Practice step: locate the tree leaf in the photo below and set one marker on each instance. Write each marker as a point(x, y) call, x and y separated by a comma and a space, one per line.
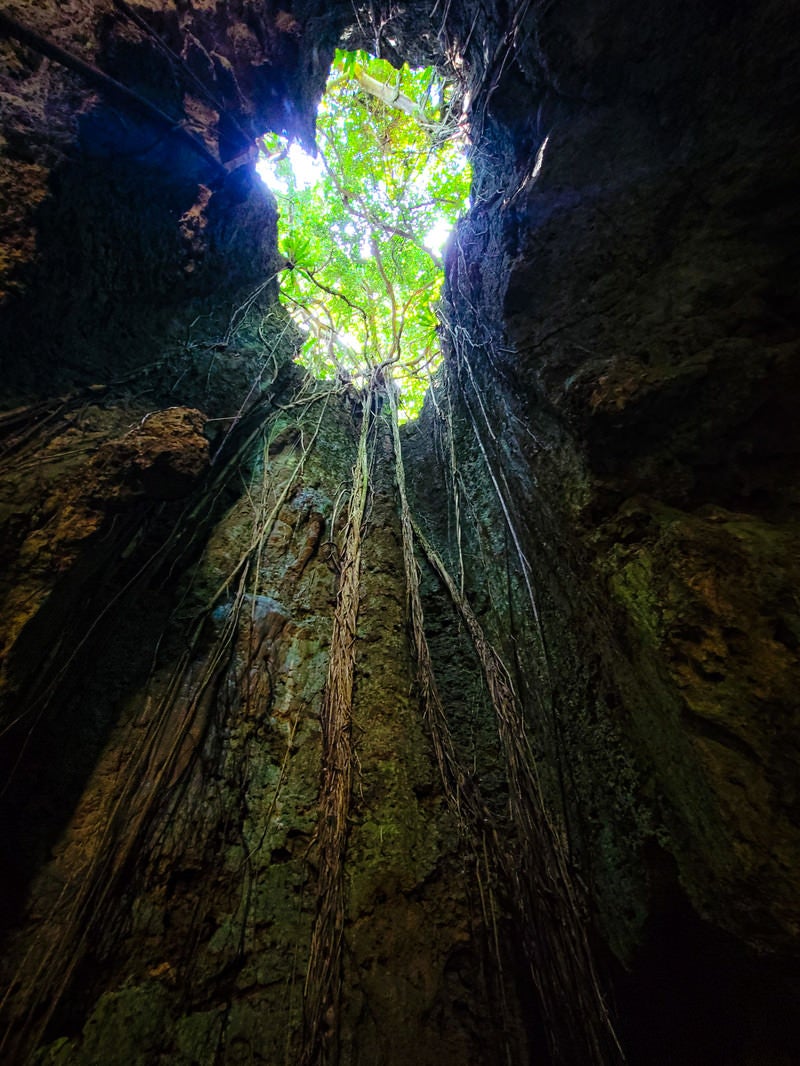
point(366, 279)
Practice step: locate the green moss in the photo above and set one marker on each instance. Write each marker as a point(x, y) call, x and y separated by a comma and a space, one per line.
point(60, 1053)
point(197, 1038)
point(633, 587)
point(127, 1025)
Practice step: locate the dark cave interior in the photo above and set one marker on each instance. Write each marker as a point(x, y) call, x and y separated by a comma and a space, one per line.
point(498, 762)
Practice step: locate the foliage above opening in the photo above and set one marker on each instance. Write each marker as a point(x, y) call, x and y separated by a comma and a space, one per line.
point(363, 235)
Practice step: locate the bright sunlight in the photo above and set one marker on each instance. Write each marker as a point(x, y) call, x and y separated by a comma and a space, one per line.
point(364, 224)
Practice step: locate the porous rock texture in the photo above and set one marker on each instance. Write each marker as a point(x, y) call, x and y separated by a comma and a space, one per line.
point(608, 471)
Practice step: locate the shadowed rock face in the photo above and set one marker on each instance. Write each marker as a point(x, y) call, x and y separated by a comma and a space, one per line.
point(621, 385)
point(661, 446)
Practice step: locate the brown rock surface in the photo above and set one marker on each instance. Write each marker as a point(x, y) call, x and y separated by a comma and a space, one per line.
point(620, 332)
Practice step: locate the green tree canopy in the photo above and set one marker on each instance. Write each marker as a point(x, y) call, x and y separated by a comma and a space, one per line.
point(362, 239)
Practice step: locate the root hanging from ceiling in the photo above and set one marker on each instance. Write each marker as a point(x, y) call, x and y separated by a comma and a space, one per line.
point(552, 917)
point(165, 742)
point(324, 974)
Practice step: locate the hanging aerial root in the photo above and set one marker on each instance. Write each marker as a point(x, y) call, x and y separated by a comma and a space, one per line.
point(446, 421)
point(120, 94)
point(454, 777)
point(476, 822)
point(147, 791)
point(324, 973)
point(580, 1028)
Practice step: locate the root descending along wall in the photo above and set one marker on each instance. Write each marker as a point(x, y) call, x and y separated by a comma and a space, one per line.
point(176, 501)
point(183, 893)
point(591, 787)
point(622, 346)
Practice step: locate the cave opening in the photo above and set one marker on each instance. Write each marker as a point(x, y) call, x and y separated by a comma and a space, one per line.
point(330, 740)
point(363, 222)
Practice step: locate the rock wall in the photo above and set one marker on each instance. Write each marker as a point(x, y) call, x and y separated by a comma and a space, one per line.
point(622, 349)
point(173, 499)
point(614, 485)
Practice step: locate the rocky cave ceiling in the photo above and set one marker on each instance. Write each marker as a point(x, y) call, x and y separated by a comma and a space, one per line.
point(267, 796)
